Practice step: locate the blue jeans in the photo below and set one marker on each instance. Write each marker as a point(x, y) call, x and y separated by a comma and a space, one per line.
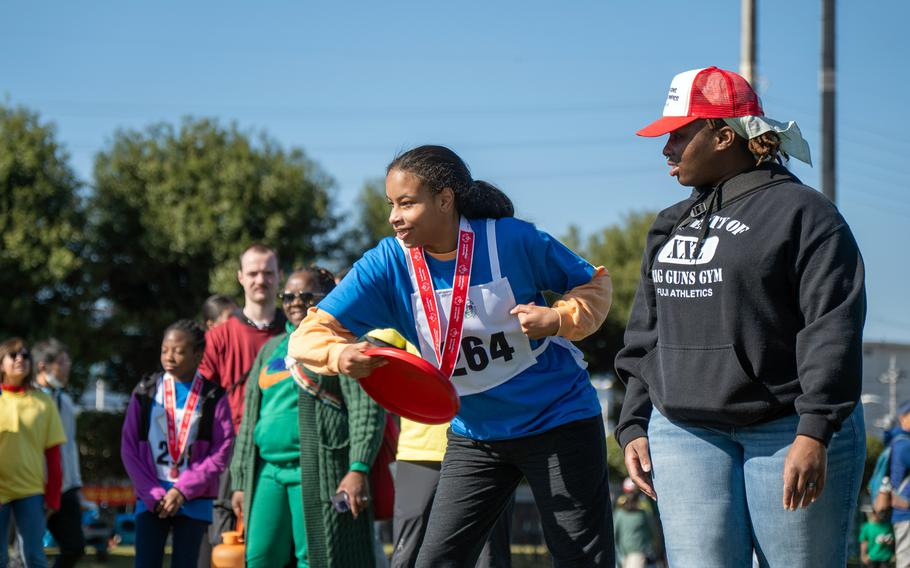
point(151, 535)
point(29, 514)
point(720, 494)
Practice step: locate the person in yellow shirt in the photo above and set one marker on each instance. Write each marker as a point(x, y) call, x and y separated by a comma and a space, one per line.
point(31, 434)
point(421, 448)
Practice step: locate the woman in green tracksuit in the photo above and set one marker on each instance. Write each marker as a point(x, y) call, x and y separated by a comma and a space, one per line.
point(304, 439)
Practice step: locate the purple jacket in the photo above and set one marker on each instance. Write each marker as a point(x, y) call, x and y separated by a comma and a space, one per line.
point(209, 454)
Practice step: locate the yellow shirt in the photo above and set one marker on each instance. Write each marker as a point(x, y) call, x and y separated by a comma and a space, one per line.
point(416, 442)
point(421, 442)
point(29, 424)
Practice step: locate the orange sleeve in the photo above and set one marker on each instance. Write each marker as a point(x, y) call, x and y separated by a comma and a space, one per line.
point(318, 342)
point(583, 309)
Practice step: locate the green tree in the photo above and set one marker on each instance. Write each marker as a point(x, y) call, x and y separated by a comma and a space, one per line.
point(172, 209)
point(42, 282)
point(98, 440)
point(372, 222)
point(374, 213)
point(619, 248)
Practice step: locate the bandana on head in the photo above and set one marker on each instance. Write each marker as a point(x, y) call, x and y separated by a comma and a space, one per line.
point(791, 139)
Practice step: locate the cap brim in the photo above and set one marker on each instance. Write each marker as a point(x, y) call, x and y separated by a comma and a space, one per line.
point(665, 125)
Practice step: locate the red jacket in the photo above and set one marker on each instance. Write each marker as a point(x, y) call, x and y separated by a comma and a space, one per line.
point(230, 349)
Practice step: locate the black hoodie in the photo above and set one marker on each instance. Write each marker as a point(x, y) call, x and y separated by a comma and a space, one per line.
point(765, 321)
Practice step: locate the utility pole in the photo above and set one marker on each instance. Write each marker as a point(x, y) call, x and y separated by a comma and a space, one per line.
point(99, 394)
point(890, 378)
point(747, 67)
point(828, 83)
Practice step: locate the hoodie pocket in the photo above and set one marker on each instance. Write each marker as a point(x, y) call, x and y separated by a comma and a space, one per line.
point(704, 384)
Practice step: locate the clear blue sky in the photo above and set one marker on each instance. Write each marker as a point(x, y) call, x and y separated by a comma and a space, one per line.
point(540, 98)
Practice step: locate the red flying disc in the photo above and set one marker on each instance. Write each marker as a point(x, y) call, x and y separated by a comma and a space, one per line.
point(410, 387)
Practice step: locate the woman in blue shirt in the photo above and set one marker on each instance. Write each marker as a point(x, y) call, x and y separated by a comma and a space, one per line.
point(528, 408)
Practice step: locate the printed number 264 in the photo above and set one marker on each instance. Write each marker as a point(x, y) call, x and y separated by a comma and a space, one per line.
point(478, 357)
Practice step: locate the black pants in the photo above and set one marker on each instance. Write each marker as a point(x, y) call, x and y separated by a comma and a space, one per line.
point(223, 519)
point(151, 534)
point(415, 488)
point(66, 527)
point(567, 470)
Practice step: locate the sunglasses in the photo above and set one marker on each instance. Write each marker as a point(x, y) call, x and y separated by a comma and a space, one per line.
point(20, 353)
point(309, 299)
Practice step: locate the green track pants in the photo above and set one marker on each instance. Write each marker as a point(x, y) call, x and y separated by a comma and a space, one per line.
point(276, 519)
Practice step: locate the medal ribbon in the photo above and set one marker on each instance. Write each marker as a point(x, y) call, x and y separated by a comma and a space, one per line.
point(176, 443)
point(447, 347)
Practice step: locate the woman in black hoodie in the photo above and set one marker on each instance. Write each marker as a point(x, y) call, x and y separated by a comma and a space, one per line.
point(743, 352)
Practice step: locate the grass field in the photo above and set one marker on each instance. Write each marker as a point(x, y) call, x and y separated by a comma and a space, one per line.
point(122, 557)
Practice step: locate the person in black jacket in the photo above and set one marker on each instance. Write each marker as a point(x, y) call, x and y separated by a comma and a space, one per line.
point(743, 353)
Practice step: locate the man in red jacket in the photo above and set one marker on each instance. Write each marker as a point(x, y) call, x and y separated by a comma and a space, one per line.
point(230, 350)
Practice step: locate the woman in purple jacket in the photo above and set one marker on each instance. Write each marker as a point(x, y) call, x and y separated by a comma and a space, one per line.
point(176, 441)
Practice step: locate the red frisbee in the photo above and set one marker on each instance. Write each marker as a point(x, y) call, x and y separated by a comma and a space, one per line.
point(410, 387)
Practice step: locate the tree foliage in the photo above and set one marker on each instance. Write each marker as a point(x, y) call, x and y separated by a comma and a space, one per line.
point(98, 440)
point(42, 280)
point(172, 209)
point(372, 222)
point(619, 248)
point(374, 213)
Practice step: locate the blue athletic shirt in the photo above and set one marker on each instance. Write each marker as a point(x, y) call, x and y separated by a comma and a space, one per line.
point(199, 509)
point(377, 294)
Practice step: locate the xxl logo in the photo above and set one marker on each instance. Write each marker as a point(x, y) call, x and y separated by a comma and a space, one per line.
point(681, 250)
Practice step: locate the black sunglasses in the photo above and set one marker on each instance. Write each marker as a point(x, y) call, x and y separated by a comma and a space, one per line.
point(23, 352)
point(308, 298)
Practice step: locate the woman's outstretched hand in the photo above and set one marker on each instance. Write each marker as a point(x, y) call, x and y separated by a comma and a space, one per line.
point(537, 322)
point(355, 364)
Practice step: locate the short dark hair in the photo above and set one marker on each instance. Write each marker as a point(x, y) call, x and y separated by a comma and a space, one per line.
point(257, 247)
point(325, 280)
point(48, 351)
point(192, 329)
point(214, 305)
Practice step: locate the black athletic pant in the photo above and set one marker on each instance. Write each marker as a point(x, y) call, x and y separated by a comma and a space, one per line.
point(415, 487)
point(567, 470)
point(66, 527)
point(152, 533)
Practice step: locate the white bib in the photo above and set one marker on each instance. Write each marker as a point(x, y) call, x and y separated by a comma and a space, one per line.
point(493, 347)
point(158, 435)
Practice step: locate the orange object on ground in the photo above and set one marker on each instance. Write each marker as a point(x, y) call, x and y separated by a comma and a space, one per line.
point(231, 553)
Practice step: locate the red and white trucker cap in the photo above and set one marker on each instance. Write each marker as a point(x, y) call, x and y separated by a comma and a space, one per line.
point(704, 93)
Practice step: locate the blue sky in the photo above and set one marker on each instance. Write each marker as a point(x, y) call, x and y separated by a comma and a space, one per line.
point(540, 98)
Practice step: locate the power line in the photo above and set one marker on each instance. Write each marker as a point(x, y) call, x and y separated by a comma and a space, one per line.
point(102, 109)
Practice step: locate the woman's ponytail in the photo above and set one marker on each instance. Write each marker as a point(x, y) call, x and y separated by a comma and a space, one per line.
point(439, 167)
point(484, 200)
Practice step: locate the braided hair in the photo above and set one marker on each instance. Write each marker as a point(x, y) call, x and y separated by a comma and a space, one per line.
point(325, 280)
point(192, 329)
point(765, 147)
point(438, 167)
